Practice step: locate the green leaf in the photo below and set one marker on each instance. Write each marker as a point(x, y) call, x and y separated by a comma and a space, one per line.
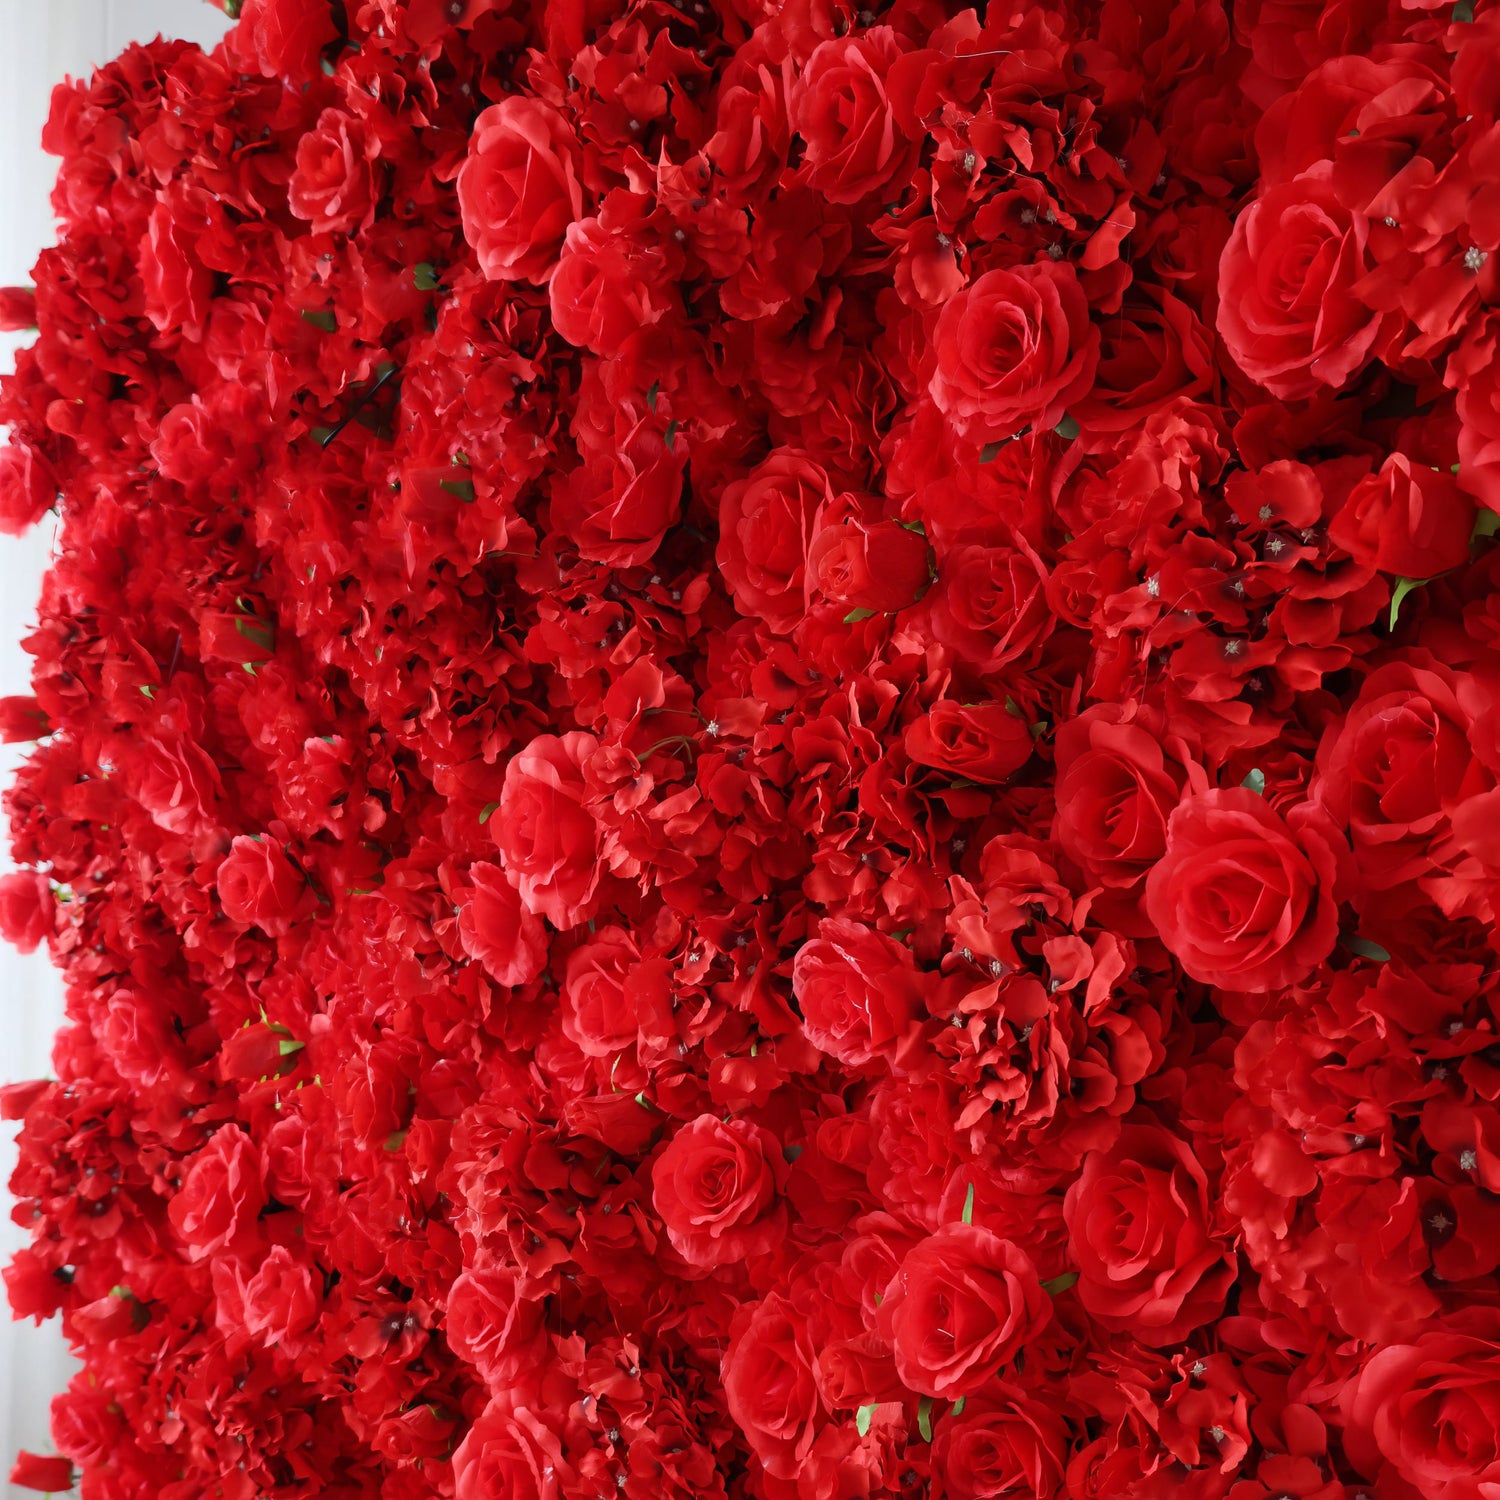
point(322, 436)
point(969, 1205)
point(122, 1292)
point(321, 319)
point(395, 1140)
point(1013, 708)
point(924, 1418)
point(1486, 523)
point(426, 277)
point(958, 1406)
point(1256, 782)
point(256, 633)
point(671, 433)
point(652, 394)
point(1463, 13)
point(489, 807)
point(856, 615)
point(916, 526)
point(988, 452)
point(232, 9)
point(289, 1045)
point(1059, 1283)
point(1366, 949)
point(1403, 587)
point(1067, 429)
point(148, 690)
point(644, 1102)
point(862, 1418)
point(463, 488)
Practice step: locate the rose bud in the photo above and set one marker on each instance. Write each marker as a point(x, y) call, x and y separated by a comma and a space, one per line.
point(881, 567)
point(33, 1472)
point(17, 309)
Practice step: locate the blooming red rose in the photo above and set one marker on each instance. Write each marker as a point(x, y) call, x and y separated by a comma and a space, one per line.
point(859, 991)
point(215, 1208)
point(1004, 1444)
point(717, 1187)
point(1430, 1411)
point(1138, 1231)
point(289, 34)
point(498, 931)
point(1399, 764)
point(509, 1453)
point(963, 1304)
point(176, 782)
point(283, 1299)
point(607, 286)
point(853, 145)
point(333, 185)
point(989, 604)
point(1013, 350)
point(983, 742)
point(1288, 308)
point(31, 1471)
point(519, 188)
point(27, 909)
point(598, 1014)
point(1115, 793)
point(548, 839)
point(881, 567)
point(766, 523)
point(179, 287)
point(258, 885)
point(769, 1385)
point(497, 1323)
point(1239, 899)
point(1473, 372)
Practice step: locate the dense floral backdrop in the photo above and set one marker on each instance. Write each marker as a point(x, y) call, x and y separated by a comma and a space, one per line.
point(768, 753)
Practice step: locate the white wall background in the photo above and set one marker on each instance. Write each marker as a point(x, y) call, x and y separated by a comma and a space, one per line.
point(45, 42)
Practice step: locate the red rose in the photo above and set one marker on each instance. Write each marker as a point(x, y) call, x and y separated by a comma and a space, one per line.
point(964, 1303)
point(26, 492)
point(28, 911)
point(1239, 900)
point(31, 1471)
point(176, 783)
point(283, 1300)
point(1409, 519)
point(288, 35)
point(1287, 307)
point(1114, 795)
point(598, 1015)
point(717, 1187)
point(609, 284)
point(498, 931)
point(548, 840)
point(258, 885)
point(852, 145)
point(216, 1207)
point(1013, 350)
point(859, 991)
point(1137, 1219)
point(518, 189)
point(881, 567)
point(333, 183)
point(1398, 766)
point(769, 1385)
point(766, 523)
point(509, 1453)
point(983, 742)
point(989, 605)
point(1430, 1411)
point(497, 1323)
point(1002, 1445)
